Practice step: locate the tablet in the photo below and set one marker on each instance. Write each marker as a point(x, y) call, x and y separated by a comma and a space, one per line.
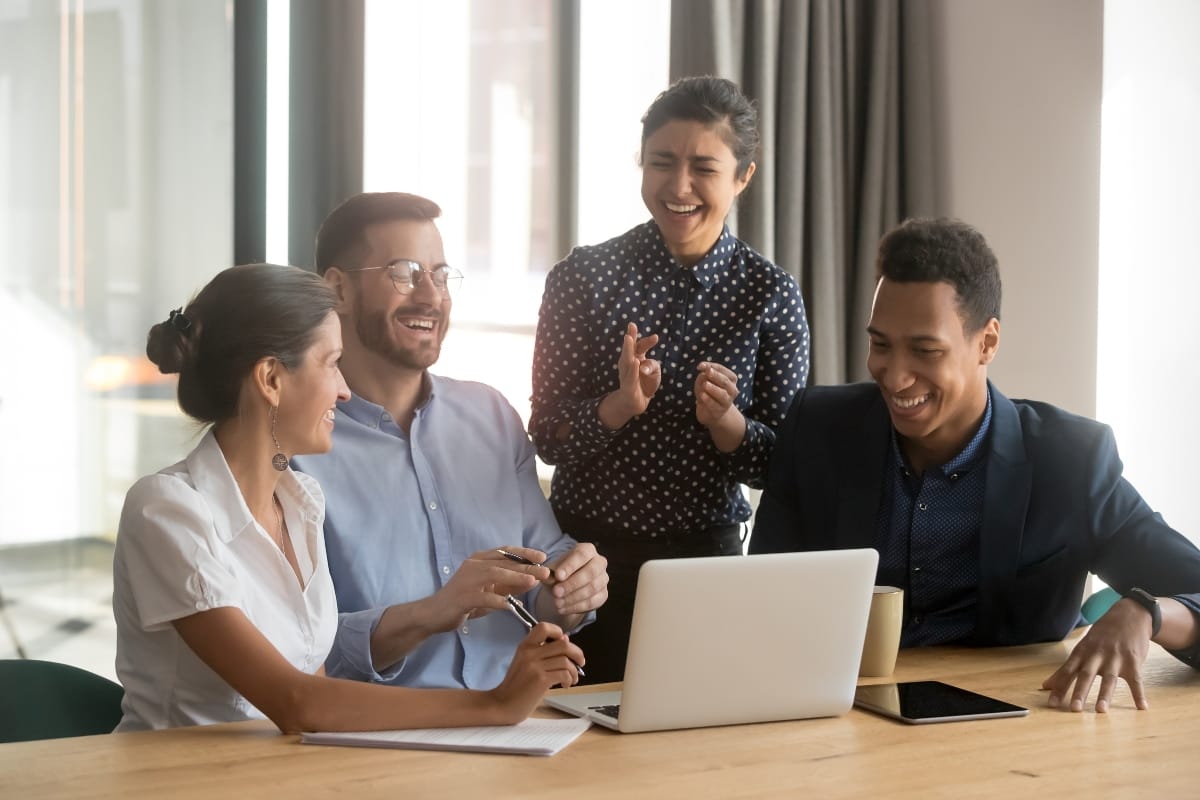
point(919, 702)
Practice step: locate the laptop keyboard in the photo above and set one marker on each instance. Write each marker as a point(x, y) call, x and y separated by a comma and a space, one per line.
point(608, 711)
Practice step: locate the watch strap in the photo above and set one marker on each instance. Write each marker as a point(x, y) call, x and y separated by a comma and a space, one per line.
point(1150, 603)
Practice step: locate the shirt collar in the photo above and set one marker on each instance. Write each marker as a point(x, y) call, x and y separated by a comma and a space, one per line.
point(209, 471)
point(363, 411)
point(707, 270)
point(966, 459)
point(971, 454)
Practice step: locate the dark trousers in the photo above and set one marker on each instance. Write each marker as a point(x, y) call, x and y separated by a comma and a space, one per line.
point(606, 641)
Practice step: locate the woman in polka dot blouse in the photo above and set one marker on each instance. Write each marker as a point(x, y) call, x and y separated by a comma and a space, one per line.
point(664, 360)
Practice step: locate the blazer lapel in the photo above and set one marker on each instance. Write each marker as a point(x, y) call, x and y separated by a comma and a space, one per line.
point(1005, 502)
point(860, 477)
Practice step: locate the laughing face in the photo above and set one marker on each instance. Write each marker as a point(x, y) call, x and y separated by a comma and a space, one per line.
point(689, 183)
point(405, 330)
point(306, 405)
point(932, 372)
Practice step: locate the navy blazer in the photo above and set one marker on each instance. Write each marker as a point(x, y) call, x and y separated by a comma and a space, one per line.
point(1055, 508)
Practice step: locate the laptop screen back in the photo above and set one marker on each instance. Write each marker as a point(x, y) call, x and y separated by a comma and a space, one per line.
point(726, 640)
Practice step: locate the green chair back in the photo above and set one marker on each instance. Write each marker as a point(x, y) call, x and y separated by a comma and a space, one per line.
point(47, 700)
point(1098, 604)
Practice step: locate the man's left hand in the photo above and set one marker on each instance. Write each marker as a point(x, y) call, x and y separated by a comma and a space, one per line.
point(1115, 648)
point(578, 581)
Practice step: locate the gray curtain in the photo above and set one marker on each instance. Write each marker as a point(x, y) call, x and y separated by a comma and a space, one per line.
point(847, 142)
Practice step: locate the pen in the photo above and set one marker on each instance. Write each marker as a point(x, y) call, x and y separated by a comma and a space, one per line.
point(520, 559)
point(522, 613)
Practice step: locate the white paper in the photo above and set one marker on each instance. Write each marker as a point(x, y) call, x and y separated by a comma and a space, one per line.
point(533, 737)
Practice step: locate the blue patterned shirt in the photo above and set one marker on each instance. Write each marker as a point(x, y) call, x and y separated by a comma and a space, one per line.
point(927, 534)
point(661, 470)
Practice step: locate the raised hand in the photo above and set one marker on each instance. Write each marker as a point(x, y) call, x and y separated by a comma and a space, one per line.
point(716, 389)
point(639, 378)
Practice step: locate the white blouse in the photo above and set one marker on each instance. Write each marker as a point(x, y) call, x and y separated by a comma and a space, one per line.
point(187, 543)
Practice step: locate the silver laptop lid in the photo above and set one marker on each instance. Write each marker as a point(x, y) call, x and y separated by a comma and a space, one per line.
point(727, 639)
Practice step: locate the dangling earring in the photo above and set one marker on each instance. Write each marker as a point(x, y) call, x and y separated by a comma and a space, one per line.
point(279, 461)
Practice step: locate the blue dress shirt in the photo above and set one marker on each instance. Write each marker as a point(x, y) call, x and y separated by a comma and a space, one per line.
point(403, 511)
point(927, 534)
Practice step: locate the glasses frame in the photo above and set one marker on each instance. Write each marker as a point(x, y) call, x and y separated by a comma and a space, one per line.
point(453, 278)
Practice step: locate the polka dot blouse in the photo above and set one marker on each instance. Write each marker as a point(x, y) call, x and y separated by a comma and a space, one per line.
point(661, 472)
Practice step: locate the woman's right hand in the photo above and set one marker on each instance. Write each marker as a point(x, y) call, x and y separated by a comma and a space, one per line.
point(639, 378)
point(543, 659)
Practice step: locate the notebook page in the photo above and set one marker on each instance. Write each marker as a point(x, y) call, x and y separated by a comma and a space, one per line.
point(534, 737)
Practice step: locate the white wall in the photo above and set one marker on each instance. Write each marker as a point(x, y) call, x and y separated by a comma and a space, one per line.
point(1095, 320)
point(1019, 87)
point(1147, 381)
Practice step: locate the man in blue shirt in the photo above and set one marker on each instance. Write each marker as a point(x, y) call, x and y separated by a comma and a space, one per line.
point(429, 478)
point(988, 512)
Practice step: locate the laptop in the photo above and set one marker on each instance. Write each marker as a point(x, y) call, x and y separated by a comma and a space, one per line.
point(726, 640)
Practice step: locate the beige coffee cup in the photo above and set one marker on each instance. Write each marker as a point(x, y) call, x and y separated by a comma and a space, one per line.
point(883, 632)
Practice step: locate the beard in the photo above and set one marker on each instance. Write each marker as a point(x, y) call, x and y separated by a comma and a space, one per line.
point(374, 331)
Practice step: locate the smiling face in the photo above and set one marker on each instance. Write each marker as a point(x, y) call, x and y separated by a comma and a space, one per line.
point(310, 393)
point(405, 330)
point(932, 373)
point(689, 183)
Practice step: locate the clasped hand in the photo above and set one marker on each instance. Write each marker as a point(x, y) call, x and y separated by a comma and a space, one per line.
point(578, 584)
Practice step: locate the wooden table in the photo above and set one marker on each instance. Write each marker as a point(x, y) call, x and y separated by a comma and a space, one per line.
point(1050, 753)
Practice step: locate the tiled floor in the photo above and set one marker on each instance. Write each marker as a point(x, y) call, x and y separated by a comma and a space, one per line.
point(58, 603)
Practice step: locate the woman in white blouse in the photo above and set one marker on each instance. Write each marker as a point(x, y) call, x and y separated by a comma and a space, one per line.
point(224, 605)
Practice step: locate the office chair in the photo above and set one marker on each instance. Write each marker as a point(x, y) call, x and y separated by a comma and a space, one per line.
point(47, 700)
point(1098, 604)
point(12, 631)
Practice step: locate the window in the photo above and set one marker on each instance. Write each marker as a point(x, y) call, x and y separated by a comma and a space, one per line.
point(116, 205)
point(1149, 204)
point(116, 168)
point(461, 105)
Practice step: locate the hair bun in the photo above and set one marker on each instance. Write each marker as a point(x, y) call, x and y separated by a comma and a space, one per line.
point(165, 347)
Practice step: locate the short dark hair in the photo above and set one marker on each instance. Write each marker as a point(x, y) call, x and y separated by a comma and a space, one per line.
point(244, 314)
point(711, 101)
point(341, 232)
point(935, 250)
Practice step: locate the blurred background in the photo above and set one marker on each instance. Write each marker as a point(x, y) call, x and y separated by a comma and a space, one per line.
point(147, 144)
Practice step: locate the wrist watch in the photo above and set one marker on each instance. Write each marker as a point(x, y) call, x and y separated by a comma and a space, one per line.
point(1150, 603)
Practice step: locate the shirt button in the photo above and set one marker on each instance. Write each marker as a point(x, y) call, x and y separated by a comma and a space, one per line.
point(445, 570)
point(432, 506)
point(954, 476)
point(465, 630)
point(918, 620)
point(922, 506)
point(916, 569)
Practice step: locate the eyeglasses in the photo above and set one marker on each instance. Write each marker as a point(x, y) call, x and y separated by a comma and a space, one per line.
point(406, 275)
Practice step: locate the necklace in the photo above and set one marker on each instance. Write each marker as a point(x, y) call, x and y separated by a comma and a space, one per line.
point(275, 506)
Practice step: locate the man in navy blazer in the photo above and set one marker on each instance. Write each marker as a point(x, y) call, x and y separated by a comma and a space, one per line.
point(988, 512)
